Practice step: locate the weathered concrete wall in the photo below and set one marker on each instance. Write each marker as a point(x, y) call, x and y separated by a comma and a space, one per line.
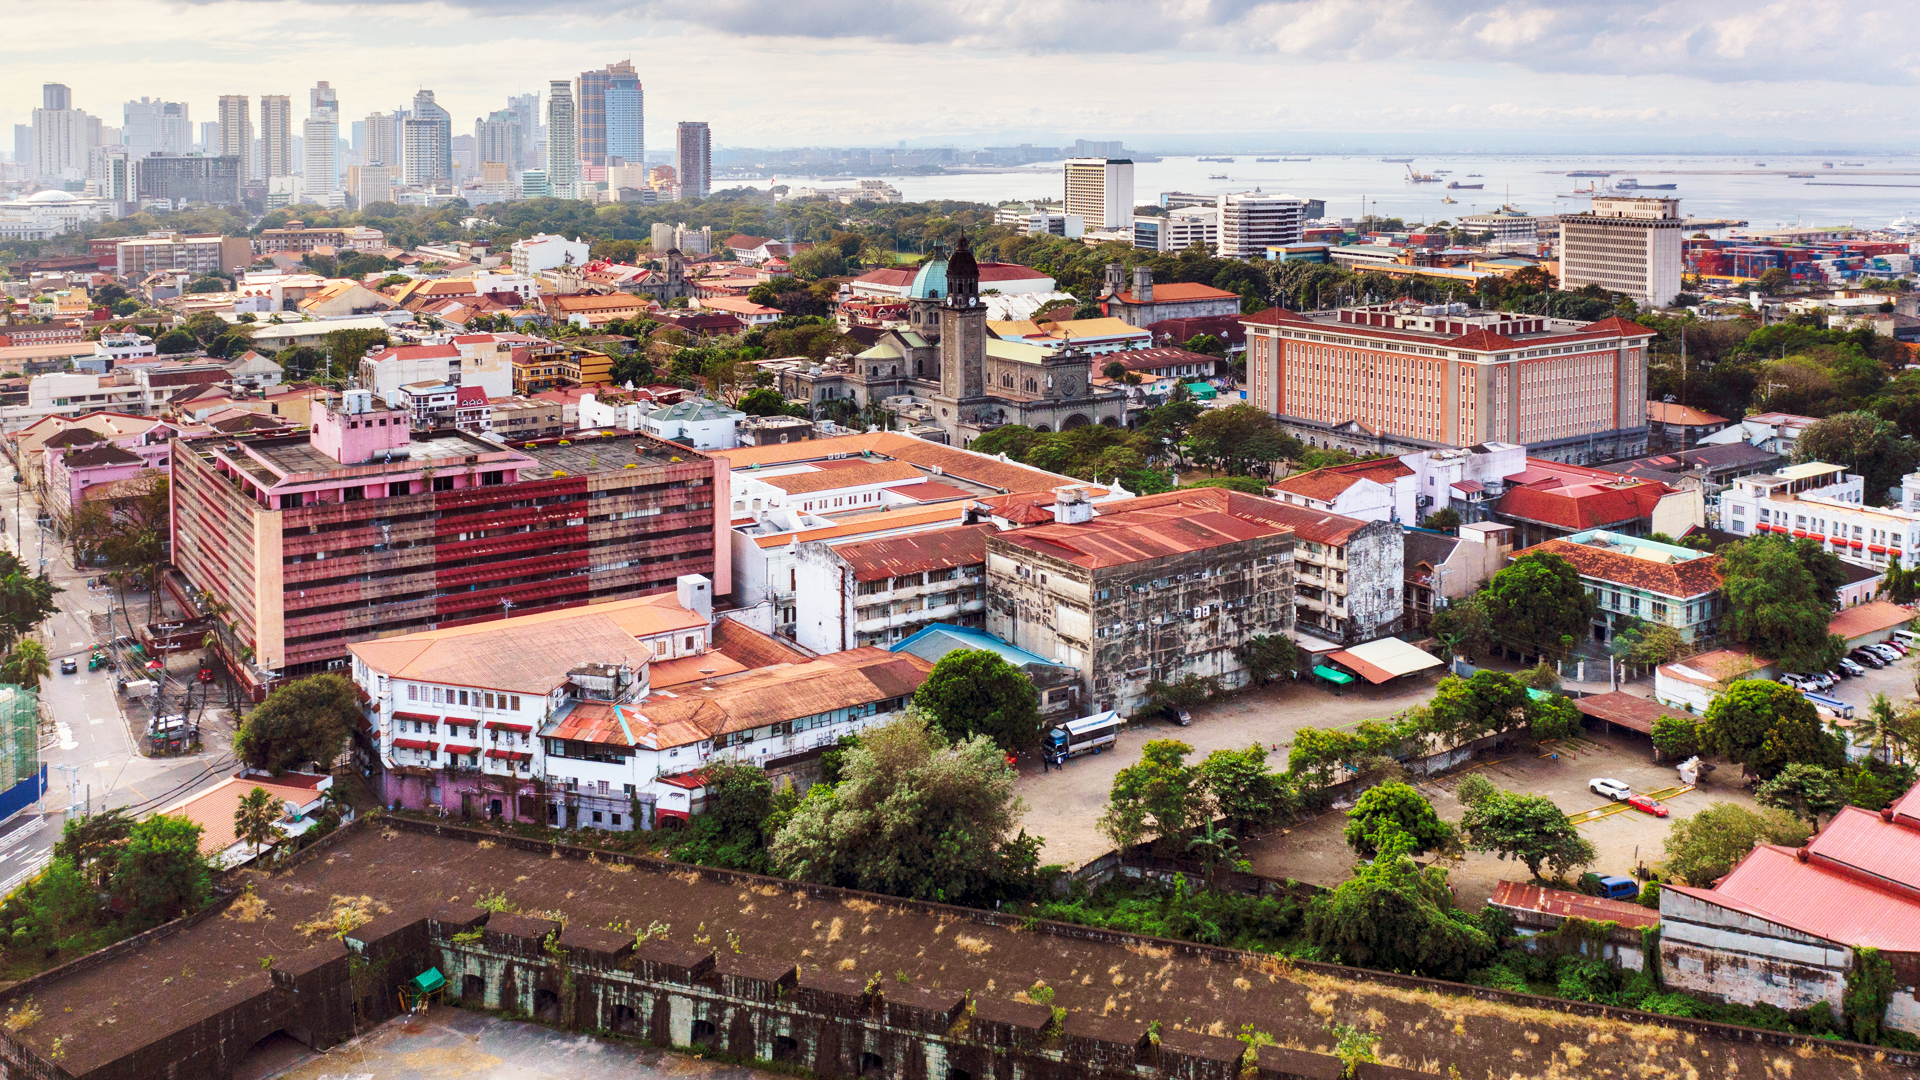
point(1712, 950)
point(1376, 574)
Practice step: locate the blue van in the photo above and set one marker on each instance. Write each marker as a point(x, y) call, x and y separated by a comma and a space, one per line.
point(1610, 886)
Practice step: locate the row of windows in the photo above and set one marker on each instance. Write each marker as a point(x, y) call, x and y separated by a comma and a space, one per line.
point(446, 696)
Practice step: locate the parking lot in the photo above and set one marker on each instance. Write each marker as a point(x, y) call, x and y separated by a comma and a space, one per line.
point(1064, 805)
point(1894, 680)
point(1316, 852)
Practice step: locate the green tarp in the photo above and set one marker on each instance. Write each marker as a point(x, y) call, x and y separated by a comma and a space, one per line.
point(429, 980)
point(1332, 675)
point(1202, 392)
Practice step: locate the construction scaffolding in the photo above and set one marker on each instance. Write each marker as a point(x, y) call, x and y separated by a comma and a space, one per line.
point(22, 778)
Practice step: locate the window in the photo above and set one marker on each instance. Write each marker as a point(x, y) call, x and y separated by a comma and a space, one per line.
point(463, 697)
point(514, 703)
point(438, 696)
point(413, 692)
point(690, 641)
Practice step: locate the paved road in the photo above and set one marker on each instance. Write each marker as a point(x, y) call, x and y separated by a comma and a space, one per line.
point(91, 758)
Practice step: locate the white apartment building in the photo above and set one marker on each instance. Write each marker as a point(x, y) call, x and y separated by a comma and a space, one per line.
point(121, 347)
point(1100, 191)
point(863, 593)
point(541, 252)
point(1628, 245)
point(1250, 222)
point(1179, 229)
point(320, 176)
point(563, 141)
point(1824, 503)
point(197, 254)
point(1512, 230)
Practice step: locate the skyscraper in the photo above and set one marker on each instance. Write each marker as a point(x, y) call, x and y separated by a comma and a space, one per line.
point(497, 139)
point(1100, 190)
point(320, 166)
point(563, 141)
point(527, 108)
point(590, 113)
point(236, 133)
point(209, 137)
point(625, 114)
point(276, 136)
point(382, 146)
point(427, 142)
point(693, 159)
point(62, 136)
point(156, 127)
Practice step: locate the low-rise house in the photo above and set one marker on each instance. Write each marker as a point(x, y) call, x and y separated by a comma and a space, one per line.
point(1773, 432)
point(1680, 427)
point(299, 798)
point(1440, 569)
point(1643, 580)
point(1790, 928)
point(697, 422)
point(743, 309)
point(1058, 684)
point(1692, 684)
point(430, 403)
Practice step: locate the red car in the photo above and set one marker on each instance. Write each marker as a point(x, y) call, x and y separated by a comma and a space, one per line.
point(1647, 806)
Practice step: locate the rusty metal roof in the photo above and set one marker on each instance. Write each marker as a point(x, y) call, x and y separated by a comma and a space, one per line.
point(938, 549)
point(1567, 904)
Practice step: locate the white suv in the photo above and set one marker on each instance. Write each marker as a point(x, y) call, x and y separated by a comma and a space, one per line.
point(1612, 789)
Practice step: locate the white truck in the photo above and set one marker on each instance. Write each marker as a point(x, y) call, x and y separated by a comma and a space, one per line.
point(1087, 735)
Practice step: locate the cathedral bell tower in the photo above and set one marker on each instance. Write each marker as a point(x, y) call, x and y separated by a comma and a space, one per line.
point(963, 328)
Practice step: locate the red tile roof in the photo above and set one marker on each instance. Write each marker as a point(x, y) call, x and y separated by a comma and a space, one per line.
point(1614, 324)
point(1694, 577)
point(1480, 339)
point(1868, 618)
point(1326, 484)
point(1584, 507)
point(1571, 905)
point(896, 556)
point(743, 242)
point(1150, 359)
point(1666, 412)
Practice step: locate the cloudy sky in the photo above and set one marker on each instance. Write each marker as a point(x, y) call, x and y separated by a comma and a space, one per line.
point(969, 72)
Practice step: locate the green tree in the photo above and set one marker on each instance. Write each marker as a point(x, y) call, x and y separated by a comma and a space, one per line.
point(766, 401)
point(306, 720)
point(1676, 736)
point(1538, 604)
point(1239, 437)
point(1528, 828)
point(1865, 444)
point(913, 815)
point(1657, 644)
point(1464, 628)
point(977, 692)
point(1776, 605)
point(1798, 736)
point(26, 599)
point(1158, 795)
point(1465, 709)
point(1245, 792)
point(92, 842)
point(1399, 810)
point(1702, 849)
point(26, 664)
point(161, 874)
point(1271, 656)
point(1555, 717)
point(1805, 791)
point(1396, 916)
point(1446, 521)
point(1318, 752)
point(255, 817)
point(1737, 722)
point(175, 340)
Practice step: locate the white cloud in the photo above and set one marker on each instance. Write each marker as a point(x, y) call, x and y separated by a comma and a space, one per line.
point(775, 72)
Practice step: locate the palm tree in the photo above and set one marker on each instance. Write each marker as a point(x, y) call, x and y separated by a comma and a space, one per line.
point(27, 664)
point(1214, 845)
point(1873, 728)
point(254, 819)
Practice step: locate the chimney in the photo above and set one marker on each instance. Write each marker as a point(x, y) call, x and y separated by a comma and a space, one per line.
point(1070, 507)
point(695, 593)
point(1143, 284)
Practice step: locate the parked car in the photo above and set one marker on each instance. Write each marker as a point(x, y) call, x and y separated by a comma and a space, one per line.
point(1609, 788)
point(1176, 715)
point(1646, 805)
point(1870, 659)
point(1788, 678)
point(1885, 652)
point(68, 666)
point(1896, 643)
point(1611, 886)
point(1851, 669)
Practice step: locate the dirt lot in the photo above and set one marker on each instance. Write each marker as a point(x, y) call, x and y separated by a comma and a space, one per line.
point(1064, 805)
point(1316, 853)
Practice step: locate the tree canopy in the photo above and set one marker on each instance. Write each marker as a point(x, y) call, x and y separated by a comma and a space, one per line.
point(1764, 726)
point(1864, 444)
point(1538, 604)
point(977, 692)
point(1779, 599)
point(1393, 914)
point(304, 721)
point(1398, 810)
point(913, 815)
point(1701, 849)
point(1528, 828)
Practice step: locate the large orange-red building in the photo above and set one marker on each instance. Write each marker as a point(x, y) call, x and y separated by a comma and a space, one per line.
point(1415, 376)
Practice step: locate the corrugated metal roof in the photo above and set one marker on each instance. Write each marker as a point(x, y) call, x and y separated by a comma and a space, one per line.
point(1571, 905)
point(1137, 537)
point(939, 549)
point(1860, 839)
point(1772, 883)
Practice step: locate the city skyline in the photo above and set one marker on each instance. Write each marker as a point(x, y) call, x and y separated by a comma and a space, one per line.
point(1474, 70)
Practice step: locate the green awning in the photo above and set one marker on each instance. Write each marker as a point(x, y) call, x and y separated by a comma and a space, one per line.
point(1332, 675)
point(1202, 391)
point(429, 980)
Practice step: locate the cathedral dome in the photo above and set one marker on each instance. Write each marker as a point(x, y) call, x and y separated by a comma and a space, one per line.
point(931, 282)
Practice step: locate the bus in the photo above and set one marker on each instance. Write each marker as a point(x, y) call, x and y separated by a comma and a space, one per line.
point(1087, 735)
